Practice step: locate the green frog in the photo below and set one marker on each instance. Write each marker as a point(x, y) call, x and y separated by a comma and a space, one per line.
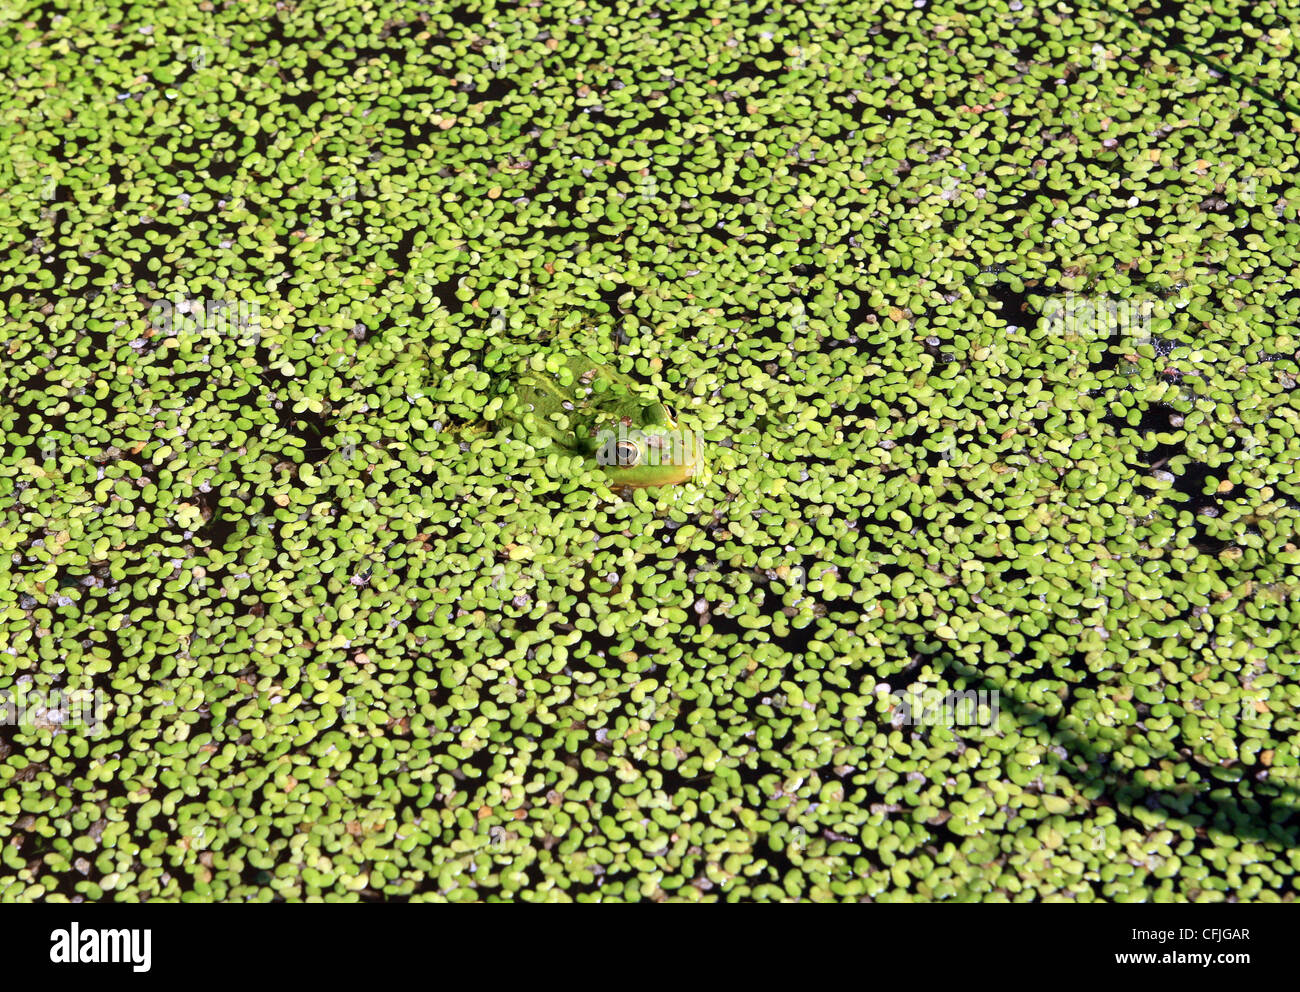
point(587, 407)
point(556, 385)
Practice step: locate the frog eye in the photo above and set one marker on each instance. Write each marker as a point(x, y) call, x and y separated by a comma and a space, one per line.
point(628, 453)
point(670, 413)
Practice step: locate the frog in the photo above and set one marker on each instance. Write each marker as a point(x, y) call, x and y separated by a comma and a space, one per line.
point(587, 407)
point(557, 381)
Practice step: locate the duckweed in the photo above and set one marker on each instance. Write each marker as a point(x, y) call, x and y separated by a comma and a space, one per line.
point(345, 635)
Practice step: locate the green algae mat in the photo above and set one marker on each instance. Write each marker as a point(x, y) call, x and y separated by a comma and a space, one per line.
point(982, 580)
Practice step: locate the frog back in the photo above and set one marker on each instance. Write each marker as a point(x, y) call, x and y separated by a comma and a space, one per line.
point(572, 398)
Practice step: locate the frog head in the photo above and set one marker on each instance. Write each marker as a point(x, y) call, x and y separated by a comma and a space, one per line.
point(649, 450)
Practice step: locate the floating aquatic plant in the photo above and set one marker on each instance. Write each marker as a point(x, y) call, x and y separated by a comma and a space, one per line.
point(359, 635)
